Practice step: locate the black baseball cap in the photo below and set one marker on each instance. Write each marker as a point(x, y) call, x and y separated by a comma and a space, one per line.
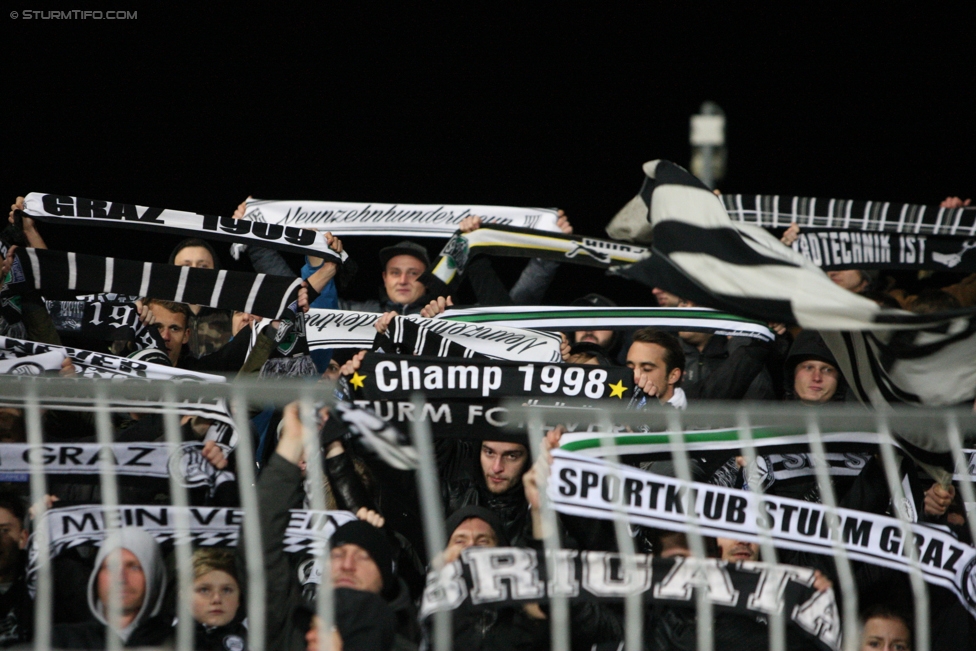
point(404, 248)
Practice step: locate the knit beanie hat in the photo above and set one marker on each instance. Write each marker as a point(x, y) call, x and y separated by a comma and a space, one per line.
point(473, 511)
point(374, 541)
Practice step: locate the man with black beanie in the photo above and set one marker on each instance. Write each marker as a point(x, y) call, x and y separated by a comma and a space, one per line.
point(361, 558)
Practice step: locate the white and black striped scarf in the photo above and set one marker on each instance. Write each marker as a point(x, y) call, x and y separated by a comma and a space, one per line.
point(347, 329)
point(887, 356)
point(53, 272)
point(588, 487)
point(407, 220)
point(774, 211)
point(69, 527)
point(511, 577)
point(570, 319)
point(114, 214)
point(103, 320)
point(525, 243)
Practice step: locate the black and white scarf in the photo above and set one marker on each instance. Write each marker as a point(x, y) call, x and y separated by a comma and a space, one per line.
point(347, 329)
point(886, 355)
point(878, 216)
point(398, 377)
point(103, 320)
point(589, 487)
point(145, 460)
point(33, 365)
point(52, 272)
point(569, 319)
point(222, 429)
point(69, 527)
point(499, 577)
point(114, 214)
point(102, 365)
point(407, 220)
point(831, 249)
point(525, 243)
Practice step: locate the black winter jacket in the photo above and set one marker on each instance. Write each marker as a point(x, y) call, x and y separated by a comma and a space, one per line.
point(156, 631)
point(463, 484)
point(727, 369)
point(17, 610)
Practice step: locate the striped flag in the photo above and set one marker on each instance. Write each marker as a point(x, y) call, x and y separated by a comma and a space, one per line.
point(699, 253)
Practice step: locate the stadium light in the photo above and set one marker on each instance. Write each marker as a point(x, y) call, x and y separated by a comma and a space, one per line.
point(707, 138)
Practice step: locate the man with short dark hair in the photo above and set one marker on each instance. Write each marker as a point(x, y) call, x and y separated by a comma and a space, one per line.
point(172, 320)
point(658, 362)
point(492, 481)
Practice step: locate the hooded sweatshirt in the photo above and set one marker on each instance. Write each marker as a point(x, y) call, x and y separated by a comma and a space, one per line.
point(144, 547)
point(150, 626)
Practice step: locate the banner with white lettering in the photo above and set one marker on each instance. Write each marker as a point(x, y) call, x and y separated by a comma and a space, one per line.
point(348, 329)
point(831, 249)
point(481, 420)
point(104, 320)
point(114, 214)
point(589, 487)
point(524, 243)
point(398, 377)
point(343, 218)
point(102, 365)
point(569, 319)
point(157, 460)
point(498, 577)
point(308, 531)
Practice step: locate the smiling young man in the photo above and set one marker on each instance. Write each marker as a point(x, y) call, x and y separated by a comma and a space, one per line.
point(812, 371)
point(403, 292)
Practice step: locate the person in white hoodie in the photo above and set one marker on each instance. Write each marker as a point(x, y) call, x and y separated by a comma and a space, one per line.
point(131, 560)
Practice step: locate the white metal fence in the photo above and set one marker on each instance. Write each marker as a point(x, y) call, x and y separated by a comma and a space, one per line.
point(944, 426)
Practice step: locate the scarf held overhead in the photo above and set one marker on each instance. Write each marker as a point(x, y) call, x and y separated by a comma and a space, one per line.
point(405, 220)
point(87, 212)
point(399, 377)
point(881, 216)
point(69, 527)
point(56, 271)
point(157, 460)
point(569, 319)
point(525, 243)
point(887, 355)
point(590, 487)
point(500, 577)
point(347, 329)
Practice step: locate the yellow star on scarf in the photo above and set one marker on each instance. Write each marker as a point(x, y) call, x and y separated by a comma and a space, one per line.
point(617, 390)
point(357, 380)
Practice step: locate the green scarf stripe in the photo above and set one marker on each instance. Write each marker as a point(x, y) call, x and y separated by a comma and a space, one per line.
point(665, 439)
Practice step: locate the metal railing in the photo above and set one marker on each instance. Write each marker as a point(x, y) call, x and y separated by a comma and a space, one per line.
point(949, 425)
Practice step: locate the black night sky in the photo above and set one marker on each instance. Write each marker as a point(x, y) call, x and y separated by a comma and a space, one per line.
point(557, 105)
